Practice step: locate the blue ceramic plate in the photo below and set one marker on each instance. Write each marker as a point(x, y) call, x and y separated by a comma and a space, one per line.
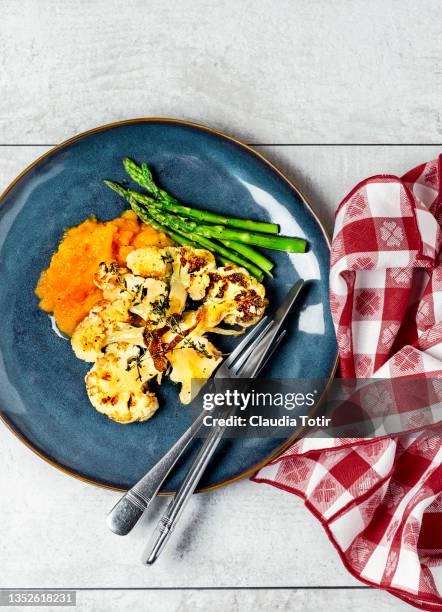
point(42, 393)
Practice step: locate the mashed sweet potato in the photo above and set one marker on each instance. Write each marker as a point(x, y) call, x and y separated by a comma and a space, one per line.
point(66, 288)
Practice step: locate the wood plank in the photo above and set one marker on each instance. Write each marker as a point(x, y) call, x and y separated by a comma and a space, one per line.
point(267, 71)
point(241, 601)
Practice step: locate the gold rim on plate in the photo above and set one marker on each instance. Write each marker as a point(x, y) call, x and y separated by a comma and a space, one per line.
point(116, 124)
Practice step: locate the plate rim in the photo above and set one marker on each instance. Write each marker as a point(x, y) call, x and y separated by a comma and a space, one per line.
point(167, 120)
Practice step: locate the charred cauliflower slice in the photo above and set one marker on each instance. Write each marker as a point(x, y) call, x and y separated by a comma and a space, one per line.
point(233, 297)
point(117, 384)
point(110, 316)
point(191, 269)
point(129, 334)
point(90, 335)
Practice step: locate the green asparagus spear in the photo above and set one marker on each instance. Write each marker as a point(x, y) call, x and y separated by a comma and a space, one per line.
point(143, 176)
point(223, 261)
point(169, 222)
point(179, 238)
point(277, 243)
point(258, 258)
point(146, 218)
point(124, 193)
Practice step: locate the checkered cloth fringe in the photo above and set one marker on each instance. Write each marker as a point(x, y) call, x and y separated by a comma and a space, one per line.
point(380, 500)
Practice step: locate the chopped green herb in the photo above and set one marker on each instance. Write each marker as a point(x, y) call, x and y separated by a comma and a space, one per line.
point(167, 258)
point(198, 346)
point(160, 306)
point(137, 361)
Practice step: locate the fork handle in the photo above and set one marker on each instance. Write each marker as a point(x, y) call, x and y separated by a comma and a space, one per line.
point(128, 510)
point(176, 507)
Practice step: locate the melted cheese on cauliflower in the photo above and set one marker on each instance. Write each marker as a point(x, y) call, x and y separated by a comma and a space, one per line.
point(193, 361)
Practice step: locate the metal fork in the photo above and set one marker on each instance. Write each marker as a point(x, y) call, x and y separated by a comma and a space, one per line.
point(241, 364)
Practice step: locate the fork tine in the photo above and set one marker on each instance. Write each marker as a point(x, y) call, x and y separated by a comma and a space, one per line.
point(275, 345)
point(241, 346)
point(238, 369)
point(249, 350)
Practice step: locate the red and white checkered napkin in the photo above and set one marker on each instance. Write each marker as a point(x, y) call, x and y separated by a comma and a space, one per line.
point(380, 500)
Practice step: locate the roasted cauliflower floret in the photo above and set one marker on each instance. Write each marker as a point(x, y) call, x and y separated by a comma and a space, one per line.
point(91, 333)
point(117, 384)
point(233, 297)
point(150, 262)
point(89, 337)
point(193, 360)
point(110, 279)
point(191, 268)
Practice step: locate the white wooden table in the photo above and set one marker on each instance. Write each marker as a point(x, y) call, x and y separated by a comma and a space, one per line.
point(307, 81)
